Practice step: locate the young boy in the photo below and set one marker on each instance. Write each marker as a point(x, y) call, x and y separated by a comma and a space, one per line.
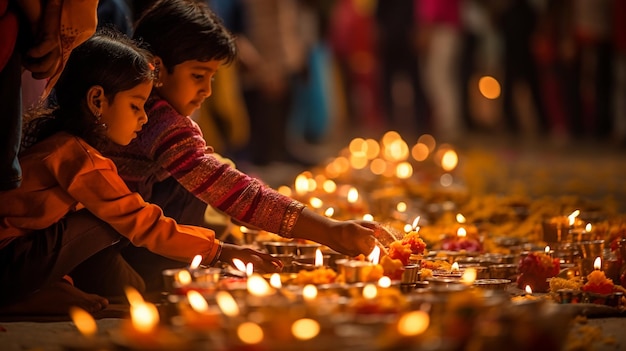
point(170, 164)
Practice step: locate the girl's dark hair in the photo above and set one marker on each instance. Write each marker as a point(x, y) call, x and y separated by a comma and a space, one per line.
point(184, 30)
point(108, 59)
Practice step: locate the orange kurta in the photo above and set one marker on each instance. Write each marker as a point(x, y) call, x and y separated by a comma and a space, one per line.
point(63, 174)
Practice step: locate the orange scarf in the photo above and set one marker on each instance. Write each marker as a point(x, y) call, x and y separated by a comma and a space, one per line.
point(78, 23)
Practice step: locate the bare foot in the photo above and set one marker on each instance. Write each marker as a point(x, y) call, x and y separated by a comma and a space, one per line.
point(56, 299)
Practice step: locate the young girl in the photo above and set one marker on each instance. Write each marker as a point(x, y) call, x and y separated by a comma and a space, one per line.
point(170, 164)
point(73, 212)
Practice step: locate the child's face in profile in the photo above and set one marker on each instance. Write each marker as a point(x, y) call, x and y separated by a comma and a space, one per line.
point(188, 85)
point(124, 115)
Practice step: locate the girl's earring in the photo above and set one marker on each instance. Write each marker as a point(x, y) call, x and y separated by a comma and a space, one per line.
point(157, 81)
point(99, 120)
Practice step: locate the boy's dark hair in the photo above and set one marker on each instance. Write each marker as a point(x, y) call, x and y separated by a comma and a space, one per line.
point(108, 59)
point(183, 30)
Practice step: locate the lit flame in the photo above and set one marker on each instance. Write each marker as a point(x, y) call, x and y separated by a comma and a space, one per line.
point(284, 190)
point(404, 170)
point(454, 267)
point(374, 256)
point(461, 232)
point(309, 292)
point(275, 281)
point(415, 222)
point(250, 333)
point(239, 265)
point(384, 282)
point(84, 322)
point(413, 323)
point(197, 301)
point(227, 303)
point(195, 263)
point(489, 87)
point(419, 152)
point(311, 184)
point(469, 276)
point(408, 228)
point(183, 277)
point(133, 296)
point(449, 160)
point(370, 291)
point(401, 206)
point(588, 228)
point(329, 212)
point(305, 329)
point(368, 217)
point(249, 269)
point(316, 202)
point(460, 218)
point(528, 289)
point(353, 195)
point(144, 317)
point(258, 286)
point(572, 217)
point(301, 184)
point(329, 186)
point(319, 258)
point(597, 264)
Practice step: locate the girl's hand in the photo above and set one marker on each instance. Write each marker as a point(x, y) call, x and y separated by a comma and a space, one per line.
point(262, 262)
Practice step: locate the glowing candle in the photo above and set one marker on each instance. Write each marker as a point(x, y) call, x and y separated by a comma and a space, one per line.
point(275, 281)
point(258, 286)
point(329, 212)
point(370, 291)
point(597, 264)
point(195, 263)
point(319, 258)
point(305, 329)
point(572, 217)
point(200, 316)
point(227, 304)
point(455, 267)
point(461, 233)
point(374, 256)
point(413, 323)
point(250, 333)
point(88, 329)
point(309, 292)
point(384, 282)
point(469, 276)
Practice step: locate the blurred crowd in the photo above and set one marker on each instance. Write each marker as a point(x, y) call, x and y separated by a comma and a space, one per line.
point(308, 68)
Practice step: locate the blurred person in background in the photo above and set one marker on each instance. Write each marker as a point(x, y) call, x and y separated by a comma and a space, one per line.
point(274, 58)
point(517, 23)
point(352, 40)
point(397, 28)
point(439, 41)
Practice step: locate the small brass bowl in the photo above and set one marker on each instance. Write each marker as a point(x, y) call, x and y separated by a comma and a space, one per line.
point(281, 247)
point(492, 284)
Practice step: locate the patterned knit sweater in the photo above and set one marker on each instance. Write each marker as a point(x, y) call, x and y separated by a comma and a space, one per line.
point(172, 145)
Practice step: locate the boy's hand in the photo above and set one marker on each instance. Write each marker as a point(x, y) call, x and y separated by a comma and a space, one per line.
point(382, 234)
point(350, 238)
point(262, 262)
